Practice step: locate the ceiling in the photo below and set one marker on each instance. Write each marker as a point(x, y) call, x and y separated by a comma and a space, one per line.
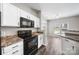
point(56, 10)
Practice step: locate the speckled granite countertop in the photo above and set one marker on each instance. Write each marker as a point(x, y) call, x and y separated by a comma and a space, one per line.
point(35, 33)
point(9, 40)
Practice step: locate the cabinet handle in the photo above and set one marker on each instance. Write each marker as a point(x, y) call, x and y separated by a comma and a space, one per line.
point(73, 47)
point(15, 46)
point(15, 52)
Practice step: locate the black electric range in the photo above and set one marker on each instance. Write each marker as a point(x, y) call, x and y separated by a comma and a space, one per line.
point(30, 42)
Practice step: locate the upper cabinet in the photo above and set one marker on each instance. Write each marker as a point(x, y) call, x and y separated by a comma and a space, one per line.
point(37, 22)
point(10, 15)
point(23, 14)
point(30, 17)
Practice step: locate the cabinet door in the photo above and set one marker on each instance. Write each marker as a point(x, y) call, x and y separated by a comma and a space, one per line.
point(24, 14)
point(77, 48)
point(14, 48)
point(37, 22)
point(39, 43)
point(44, 28)
point(9, 15)
point(41, 39)
point(69, 47)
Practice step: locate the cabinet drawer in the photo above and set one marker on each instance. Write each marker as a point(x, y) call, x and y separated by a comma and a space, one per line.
point(12, 47)
point(15, 52)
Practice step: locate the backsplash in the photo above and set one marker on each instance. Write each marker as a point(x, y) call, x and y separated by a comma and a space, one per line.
point(13, 31)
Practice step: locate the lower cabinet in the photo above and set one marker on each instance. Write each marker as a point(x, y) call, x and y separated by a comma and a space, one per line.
point(64, 46)
point(69, 47)
point(40, 40)
point(14, 49)
point(77, 48)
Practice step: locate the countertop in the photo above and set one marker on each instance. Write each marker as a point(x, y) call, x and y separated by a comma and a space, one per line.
point(71, 37)
point(74, 38)
point(71, 32)
point(36, 33)
point(9, 40)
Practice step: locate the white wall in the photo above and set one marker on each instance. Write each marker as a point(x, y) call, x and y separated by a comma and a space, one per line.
point(73, 23)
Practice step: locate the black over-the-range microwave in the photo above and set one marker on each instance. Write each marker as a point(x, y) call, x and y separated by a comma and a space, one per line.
point(26, 23)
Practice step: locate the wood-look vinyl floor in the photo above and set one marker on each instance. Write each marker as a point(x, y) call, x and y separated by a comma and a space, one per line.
point(54, 46)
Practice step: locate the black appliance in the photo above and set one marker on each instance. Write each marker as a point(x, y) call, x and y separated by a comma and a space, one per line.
point(26, 23)
point(0, 33)
point(30, 42)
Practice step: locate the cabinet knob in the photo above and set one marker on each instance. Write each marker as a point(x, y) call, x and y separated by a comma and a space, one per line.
point(15, 46)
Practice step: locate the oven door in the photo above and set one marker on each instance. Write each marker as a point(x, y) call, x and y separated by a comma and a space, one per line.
point(31, 46)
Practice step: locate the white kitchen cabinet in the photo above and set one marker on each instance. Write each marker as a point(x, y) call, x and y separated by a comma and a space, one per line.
point(40, 40)
point(77, 48)
point(39, 43)
point(13, 49)
point(30, 17)
point(37, 22)
point(69, 47)
point(44, 28)
point(10, 15)
point(24, 14)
